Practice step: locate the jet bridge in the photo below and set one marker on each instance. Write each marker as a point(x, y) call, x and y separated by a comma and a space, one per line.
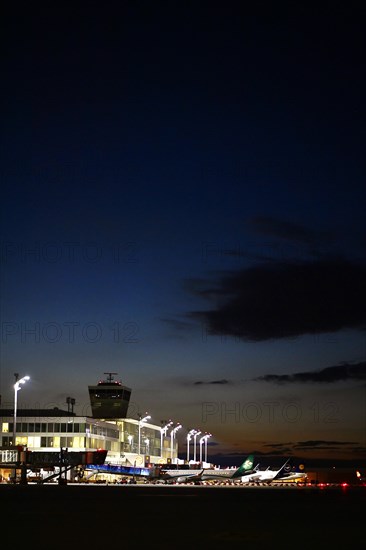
point(119, 470)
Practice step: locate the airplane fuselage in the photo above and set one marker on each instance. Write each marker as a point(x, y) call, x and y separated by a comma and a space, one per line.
point(202, 475)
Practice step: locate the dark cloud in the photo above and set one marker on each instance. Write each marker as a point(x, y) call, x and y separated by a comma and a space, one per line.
point(277, 445)
point(281, 451)
point(324, 445)
point(284, 299)
point(223, 381)
point(290, 231)
point(289, 448)
point(345, 371)
point(359, 449)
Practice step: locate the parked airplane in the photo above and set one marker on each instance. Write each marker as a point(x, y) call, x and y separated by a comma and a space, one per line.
point(260, 476)
point(184, 476)
point(285, 473)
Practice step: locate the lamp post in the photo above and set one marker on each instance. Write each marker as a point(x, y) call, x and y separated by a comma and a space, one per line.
point(163, 431)
point(172, 434)
point(194, 445)
point(141, 420)
point(201, 443)
point(206, 438)
point(17, 387)
point(190, 433)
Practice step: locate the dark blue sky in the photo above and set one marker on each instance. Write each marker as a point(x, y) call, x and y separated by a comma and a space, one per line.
point(183, 197)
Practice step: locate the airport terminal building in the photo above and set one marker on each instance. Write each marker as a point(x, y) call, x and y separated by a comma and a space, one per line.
point(132, 442)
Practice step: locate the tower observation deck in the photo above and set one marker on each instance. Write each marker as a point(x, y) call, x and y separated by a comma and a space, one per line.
point(109, 398)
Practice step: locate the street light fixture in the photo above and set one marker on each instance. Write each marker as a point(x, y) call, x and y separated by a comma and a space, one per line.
point(189, 434)
point(141, 420)
point(163, 431)
point(172, 434)
point(17, 387)
point(194, 445)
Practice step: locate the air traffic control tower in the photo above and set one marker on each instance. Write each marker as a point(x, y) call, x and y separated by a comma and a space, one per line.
point(109, 399)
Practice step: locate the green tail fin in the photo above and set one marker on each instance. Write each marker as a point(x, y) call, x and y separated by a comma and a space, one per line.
point(246, 467)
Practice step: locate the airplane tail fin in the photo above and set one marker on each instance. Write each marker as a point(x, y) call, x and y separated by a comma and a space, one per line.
point(196, 477)
point(284, 468)
point(245, 468)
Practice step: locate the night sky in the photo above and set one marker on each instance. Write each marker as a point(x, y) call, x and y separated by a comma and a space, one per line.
point(183, 203)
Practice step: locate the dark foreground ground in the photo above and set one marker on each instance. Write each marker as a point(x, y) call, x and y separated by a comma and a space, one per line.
point(108, 517)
